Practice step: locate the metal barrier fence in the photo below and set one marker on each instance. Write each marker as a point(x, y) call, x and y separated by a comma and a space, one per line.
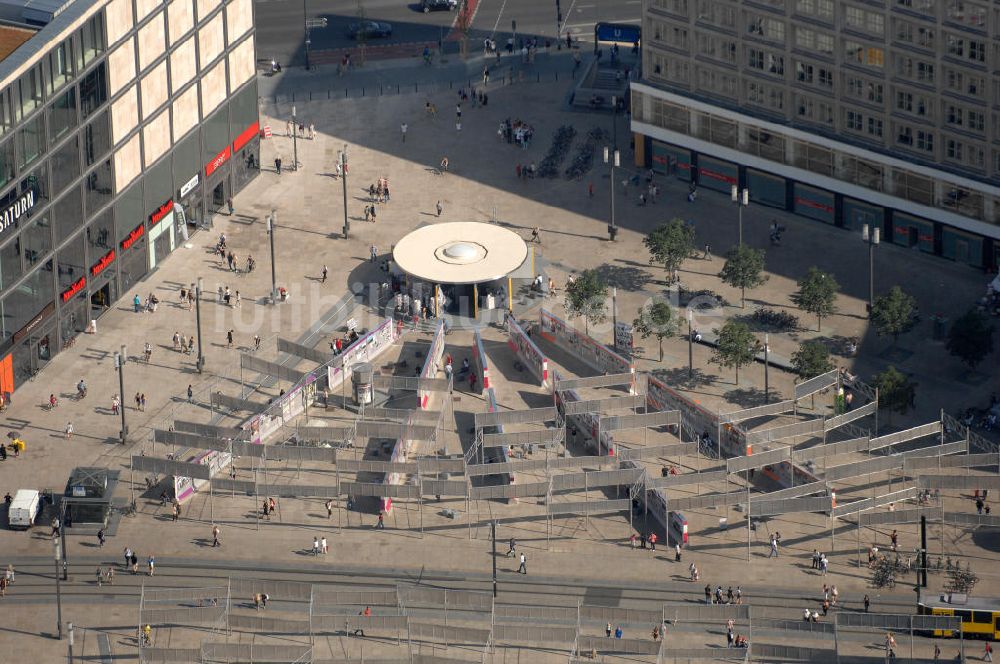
point(530, 490)
point(585, 507)
point(737, 416)
point(538, 614)
point(813, 628)
point(210, 430)
point(305, 352)
point(253, 652)
point(858, 468)
point(531, 634)
point(395, 430)
point(806, 428)
point(448, 488)
point(250, 362)
point(831, 449)
point(170, 655)
point(603, 644)
point(380, 490)
point(601, 615)
point(792, 492)
point(958, 481)
point(898, 516)
point(817, 384)
point(546, 437)
point(466, 600)
point(596, 479)
point(671, 481)
point(970, 519)
point(448, 634)
point(150, 464)
point(262, 623)
point(526, 416)
point(703, 501)
point(964, 461)
point(705, 612)
point(895, 621)
point(797, 653)
point(670, 449)
point(608, 403)
point(790, 505)
point(844, 418)
point(325, 434)
point(403, 414)
point(293, 590)
point(236, 403)
point(928, 429)
point(607, 380)
point(322, 597)
point(758, 460)
point(655, 419)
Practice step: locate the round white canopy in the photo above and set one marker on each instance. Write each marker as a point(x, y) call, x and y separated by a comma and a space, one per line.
point(462, 252)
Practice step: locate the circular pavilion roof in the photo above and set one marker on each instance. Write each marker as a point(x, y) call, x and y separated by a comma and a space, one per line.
point(463, 252)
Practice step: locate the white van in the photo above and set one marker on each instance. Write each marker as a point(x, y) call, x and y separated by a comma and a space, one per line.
point(24, 509)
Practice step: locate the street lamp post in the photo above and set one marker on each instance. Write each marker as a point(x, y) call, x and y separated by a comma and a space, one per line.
point(120, 359)
point(274, 274)
point(295, 142)
point(871, 236)
point(343, 178)
point(614, 121)
point(493, 530)
point(767, 387)
point(613, 160)
point(614, 317)
point(690, 346)
point(58, 556)
point(70, 626)
point(305, 28)
point(200, 363)
point(742, 198)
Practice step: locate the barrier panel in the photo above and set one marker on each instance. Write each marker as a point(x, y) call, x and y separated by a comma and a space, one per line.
point(985, 460)
point(479, 362)
point(671, 481)
point(897, 622)
point(550, 436)
point(858, 468)
point(585, 507)
point(299, 453)
point(305, 352)
point(535, 614)
point(813, 628)
point(979, 443)
point(670, 449)
point(506, 467)
point(507, 491)
point(706, 612)
point(790, 505)
point(831, 449)
point(365, 349)
point(898, 516)
point(379, 490)
point(701, 655)
point(324, 434)
point(596, 479)
point(526, 416)
point(958, 482)
point(402, 414)
point(253, 652)
point(193, 615)
point(609, 645)
point(642, 420)
point(150, 464)
point(167, 655)
point(365, 466)
point(380, 429)
point(348, 622)
point(872, 503)
point(432, 364)
point(696, 420)
point(792, 492)
point(796, 653)
point(606, 380)
point(531, 634)
point(428, 466)
point(189, 440)
point(602, 615)
point(249, 362)
point(466, 600)
point(759, 460)
point(224, 484)
point(737, 416)
point(708, 500)
point(448, 488)
point(221, 400)
point(958, 447)
point(972, 519)
point(448, 634)
point(596, 355)
point(588, 423)
point(527, 350)
point(608, 403)
point(298, 490)
point(806, 428)
point(817, 384)
point(248, 587)
point(210, 430)
point(928, 429)
point(264, 623)
point(851, 415)
point(576, 462)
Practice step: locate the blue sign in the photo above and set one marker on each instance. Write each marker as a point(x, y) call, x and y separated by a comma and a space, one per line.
point(617, 32)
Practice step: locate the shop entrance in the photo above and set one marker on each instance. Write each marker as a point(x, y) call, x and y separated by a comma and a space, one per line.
point(218, 197)
point(101, 299)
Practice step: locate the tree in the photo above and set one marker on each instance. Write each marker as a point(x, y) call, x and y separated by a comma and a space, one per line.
point(970, 338)
point(962, 580)
point(817, 295)
point(744, 269)
point(657, 320)
point(736, 348)
point(587, 296)
point(811, 359)
point(892, 313)
point(896, 391)
point(670, 244)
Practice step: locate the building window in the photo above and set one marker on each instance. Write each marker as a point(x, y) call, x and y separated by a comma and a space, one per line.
point(65, 163)
point(868, 56)
point(925, 141)
point(764, 27)
point(803, 72)
point(904, 135)
point(714, 13)
point(31, 90)
point(93, 90)
point(865, 21)
point(6, 164)
point(975, 120)
point(923, 6)
point(874, 127)
point(953, 115)
point(62, 113)
point(673, 6)
point(826, 77)
point(30, 140)
point(68, 213)
point(813, 41)
point(98, 187)
point(953, 149)
point(854, 120)
point(821, 9)
point(966, 13)
point(92, 38)
point(62, 68)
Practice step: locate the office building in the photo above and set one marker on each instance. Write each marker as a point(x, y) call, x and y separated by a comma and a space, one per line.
point(124, 126)
point(879, 112)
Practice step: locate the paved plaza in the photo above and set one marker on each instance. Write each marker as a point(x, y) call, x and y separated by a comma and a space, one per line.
point(572, 560)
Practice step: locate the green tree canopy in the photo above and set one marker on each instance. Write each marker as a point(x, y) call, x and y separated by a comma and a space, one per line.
point(817, 295)
point(892, 313)
point(587, 297)
point(670, 244)
point(811, 359)
point(896, 391)
point(970, 338)
point(744, 269)
point(657, 320)
point(736, 348)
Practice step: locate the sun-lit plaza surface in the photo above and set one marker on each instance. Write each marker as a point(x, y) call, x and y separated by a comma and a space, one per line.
point(570, 470)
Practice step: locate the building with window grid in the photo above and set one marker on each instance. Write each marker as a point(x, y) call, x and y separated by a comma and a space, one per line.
point(879, 112)
point(124, 126)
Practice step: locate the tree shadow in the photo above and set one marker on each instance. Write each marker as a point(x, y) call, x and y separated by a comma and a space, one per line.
point(626, 277)
point(836, 344)
point(680, 377)
point(747, 397)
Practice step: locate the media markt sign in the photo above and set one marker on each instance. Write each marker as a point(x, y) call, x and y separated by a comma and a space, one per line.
point(17, 209)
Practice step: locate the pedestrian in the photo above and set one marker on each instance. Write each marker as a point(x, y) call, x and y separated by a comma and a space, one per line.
point(229, 338)
point(138, 401)
point(256, 342)
point(9, 574)
point(608, 630)
point(486, 75)
point(642, 541)
point(229, 203)
point(110, 575)
point(708, 594)
point(739, 594)
point(444, 165)
point(68, 431)
point(237, 298)
point(652, 541)
point(177, 340)
point(867, 602)
point(374, 253)
point(151, 562)
point(988, 652)
point(277, 165)
point(894, 539)
point(402, 130)
point(439, 208)
point(329, 509)
point(523, 568)
point(322, 279)
point(534, 235)
point(135, 563)
point(142, 402)
point(380, 524)
point(324, 546)
point(774, 548)
point(312, 131)
point(3, 587)
point(136, 303)
point(190, 394)
point(618, 632)
point(677, 553)
point(215, 536)
point(315, 546)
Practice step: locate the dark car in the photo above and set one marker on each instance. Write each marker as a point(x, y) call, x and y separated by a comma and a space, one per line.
point(438, 5)
point(369, 29)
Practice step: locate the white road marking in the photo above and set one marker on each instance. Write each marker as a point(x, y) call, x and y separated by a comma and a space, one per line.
point(568, 12)
point(499, 15)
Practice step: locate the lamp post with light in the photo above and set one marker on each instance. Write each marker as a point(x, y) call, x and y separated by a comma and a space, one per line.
point(871, 236)
point(742, 198)
point(613, 159)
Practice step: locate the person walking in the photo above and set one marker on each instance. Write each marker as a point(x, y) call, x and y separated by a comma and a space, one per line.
point(512, 546)
point(322, 278)
point(215, 536)
point(380, 524)
point(523, 568)
point(100, 538)
point(229, 338)
point(373, 251)
point(142, 402)
point(774, 547)
point(402, 131)
point(151, 562)
point(190, 394)
point(439, 208)
point(867, 602)
point(68, 431)
point(677, 553)
point(329, 509)
point(315, 548)
point(277, 165)
point(324, 546)
point(988, 652)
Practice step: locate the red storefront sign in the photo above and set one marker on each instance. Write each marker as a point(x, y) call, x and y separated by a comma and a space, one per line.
point(74, 289)
point(103, 263)
point(133, 236)
point(219, 160)
point(816, 205)
point(161, 212)
point(246, 136)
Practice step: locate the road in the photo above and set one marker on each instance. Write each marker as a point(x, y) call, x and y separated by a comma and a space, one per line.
point(280, 22)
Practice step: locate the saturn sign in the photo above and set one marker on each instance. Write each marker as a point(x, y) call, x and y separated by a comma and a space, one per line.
point(17, 209)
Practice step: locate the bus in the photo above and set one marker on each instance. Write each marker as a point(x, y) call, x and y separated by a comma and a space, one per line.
point(980, 615)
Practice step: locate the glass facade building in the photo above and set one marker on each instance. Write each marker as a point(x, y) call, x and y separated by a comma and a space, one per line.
point(124, 126)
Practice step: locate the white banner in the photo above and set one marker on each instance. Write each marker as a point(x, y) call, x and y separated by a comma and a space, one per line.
point(578, 344)
point(526, 349)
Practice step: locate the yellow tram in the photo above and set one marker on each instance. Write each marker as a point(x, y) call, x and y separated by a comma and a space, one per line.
point(980, 615)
